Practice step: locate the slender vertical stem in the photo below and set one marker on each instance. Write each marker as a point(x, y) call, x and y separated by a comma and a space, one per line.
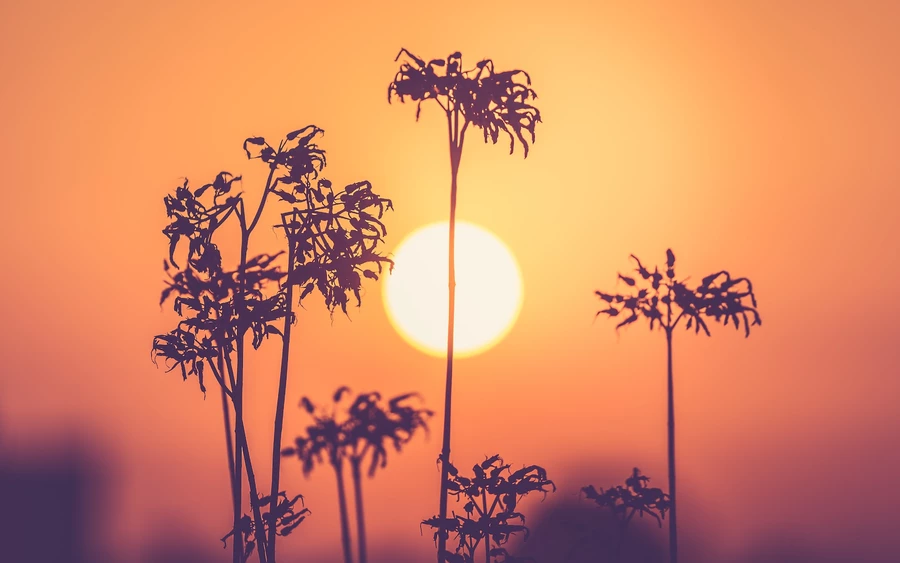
point(244, 449)
point(229, 445)
point(360, 514)
point(673, 530)
point(455, 154)
point(279, 405)
point(238, 543)
point(259, 531)
point(338, 465)
point(226, 416)
point(487, 522)
point(238, 389)
point(238, 464)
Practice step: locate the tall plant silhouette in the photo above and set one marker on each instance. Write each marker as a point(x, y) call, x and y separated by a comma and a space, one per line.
point(490, 500)
point(492, 101)
point(364, 430)
point(331, 239)
point(665, 301)
point(634, 498)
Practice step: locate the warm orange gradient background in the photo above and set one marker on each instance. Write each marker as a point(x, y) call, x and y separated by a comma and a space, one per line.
point(762, 139)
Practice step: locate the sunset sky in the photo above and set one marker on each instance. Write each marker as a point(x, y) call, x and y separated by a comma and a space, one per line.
point(762, 139)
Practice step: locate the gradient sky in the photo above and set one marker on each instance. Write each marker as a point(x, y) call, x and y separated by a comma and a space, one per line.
point(761, 139)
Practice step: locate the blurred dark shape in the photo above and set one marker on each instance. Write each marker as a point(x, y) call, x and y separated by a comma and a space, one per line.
point(167, 550)
point(578, 531)
point(783, 549)
point(47, 507)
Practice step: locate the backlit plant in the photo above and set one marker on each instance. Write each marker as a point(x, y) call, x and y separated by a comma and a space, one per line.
point(665, 301)
point(364, 430)
point(493, 101)
point(332, 238)
point(634, 498)
point(490, 499)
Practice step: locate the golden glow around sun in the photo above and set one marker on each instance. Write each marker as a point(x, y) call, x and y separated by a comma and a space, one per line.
point(488, 289)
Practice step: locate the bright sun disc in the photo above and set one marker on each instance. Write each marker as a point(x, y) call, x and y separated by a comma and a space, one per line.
point(488, 289)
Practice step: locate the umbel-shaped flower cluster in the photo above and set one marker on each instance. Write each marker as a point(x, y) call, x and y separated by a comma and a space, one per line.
point(493, 101)
point(666, 300)
point(490, 498)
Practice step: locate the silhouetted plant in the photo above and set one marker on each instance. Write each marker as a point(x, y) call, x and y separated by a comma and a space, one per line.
point(634, 498)
point(324, 442)
point(364, 430)
point(492, 101)
point(665, 301)
point(487, 519)
point(284, 516)
point(332, 237)
point(333, 240)
point(371, 427)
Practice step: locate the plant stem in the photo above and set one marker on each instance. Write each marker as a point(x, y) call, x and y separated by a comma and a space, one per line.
point(360, 515)
point(238, 540)
point(673, 530)
point(229, 444)
point(455, 155)
point(279, 405)
point(236, 398)
point(238, 390)
point(240, 436)
point(338, 465)
point(259, 529)
point(487, 523)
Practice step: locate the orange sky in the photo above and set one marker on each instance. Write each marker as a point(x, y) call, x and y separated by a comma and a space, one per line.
point(761, 139)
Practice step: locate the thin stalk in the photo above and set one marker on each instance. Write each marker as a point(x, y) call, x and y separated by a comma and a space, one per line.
point(338, 465)
point(360, 516)
point(673, 530)
point(279, 405)
point(487, 521)
point(259, 530)
point(238, 390)
point(229, 444)
point(244, 450)
point(455, 154)
point(238, 539)
point(236, 478)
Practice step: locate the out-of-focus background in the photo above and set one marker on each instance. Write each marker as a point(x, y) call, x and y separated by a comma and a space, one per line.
point(760, 138)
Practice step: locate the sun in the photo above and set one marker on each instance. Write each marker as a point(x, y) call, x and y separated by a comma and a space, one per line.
point(488, 289)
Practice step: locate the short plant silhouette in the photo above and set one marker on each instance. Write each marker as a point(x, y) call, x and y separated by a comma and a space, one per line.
point(490, 496)
point(364, 430)
point(634, 498)
point(665, 301)
point(285, 521)
point(372, 428)
point(332, 238)
point(492, 101)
